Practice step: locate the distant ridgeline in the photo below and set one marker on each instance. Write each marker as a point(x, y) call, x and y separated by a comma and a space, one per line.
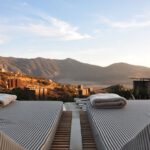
point(35, 88)
point(72, 71)
point(22, 77)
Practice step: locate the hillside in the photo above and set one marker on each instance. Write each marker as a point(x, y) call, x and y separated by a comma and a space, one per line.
point(72, 71)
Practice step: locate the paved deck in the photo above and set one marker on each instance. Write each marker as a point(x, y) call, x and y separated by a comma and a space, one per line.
point(74, 132)
point(71, 107)
point(76, 138)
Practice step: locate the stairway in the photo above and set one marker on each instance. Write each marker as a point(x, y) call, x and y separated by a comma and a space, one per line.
point(62, 137)
point(88, 142)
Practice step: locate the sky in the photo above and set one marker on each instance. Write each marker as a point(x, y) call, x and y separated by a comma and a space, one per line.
point(99, 32)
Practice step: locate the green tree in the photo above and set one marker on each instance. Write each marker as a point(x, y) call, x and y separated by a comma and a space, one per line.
point(22, 94)
point(120, 90)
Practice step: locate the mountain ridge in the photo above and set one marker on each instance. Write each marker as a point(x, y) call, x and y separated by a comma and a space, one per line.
point(72, 71)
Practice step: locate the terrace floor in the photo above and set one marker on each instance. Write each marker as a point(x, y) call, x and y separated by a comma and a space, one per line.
point(74, 132)
point(62, 136)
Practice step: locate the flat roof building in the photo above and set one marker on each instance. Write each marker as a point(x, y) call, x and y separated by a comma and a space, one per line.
point(141, 88)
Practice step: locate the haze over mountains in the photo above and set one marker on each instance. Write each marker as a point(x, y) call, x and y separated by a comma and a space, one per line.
point(72, 71)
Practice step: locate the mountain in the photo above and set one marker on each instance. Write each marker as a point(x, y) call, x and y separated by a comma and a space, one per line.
point(72, 71)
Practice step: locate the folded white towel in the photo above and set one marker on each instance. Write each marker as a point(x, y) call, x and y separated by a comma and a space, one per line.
point(107, 100)
point(5, 99)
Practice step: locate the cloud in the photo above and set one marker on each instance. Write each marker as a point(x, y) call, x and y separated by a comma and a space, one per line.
point(44, 26)
point(54, 27)
point(3, 40)
point(137, 22)
point(39, 24)
point(68, 31)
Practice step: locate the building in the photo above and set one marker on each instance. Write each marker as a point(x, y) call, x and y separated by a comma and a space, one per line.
point(40, 93)
point(2, 68)
point(13, 83)
point(141, 87)
point(34, 93)
point(84, 91)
